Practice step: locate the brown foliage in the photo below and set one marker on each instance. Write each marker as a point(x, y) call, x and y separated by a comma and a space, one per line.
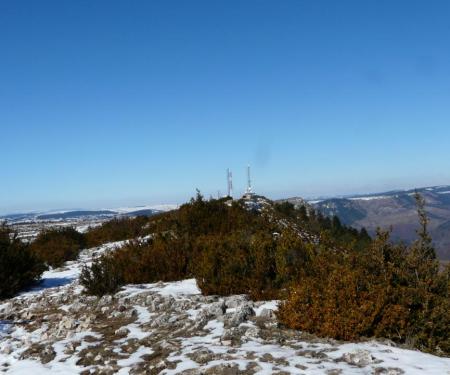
point(236, 263)
point(116, 230)
point(56, 246)
point(384, 291)
point(368, 288)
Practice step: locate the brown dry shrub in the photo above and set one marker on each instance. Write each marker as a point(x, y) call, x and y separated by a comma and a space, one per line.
point(117, 229)
point(385, 291)
point(58, 245)
point(238, 263)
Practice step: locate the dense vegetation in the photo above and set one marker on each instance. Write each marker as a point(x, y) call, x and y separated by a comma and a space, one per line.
point(228, 248)
point(117, 229)
point(21, 264)
point(329, 228)
point(19, 267)
point(384, 290)
point(334, 280)
point(58, 245)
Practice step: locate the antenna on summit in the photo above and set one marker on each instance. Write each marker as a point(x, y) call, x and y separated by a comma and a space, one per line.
point(230, 183)
point(249, 181)
point(249, 195)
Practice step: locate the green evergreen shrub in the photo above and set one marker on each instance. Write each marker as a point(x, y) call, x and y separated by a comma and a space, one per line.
point(58, 245)
point(19, 267)
point(104, 276)
point(117, 229)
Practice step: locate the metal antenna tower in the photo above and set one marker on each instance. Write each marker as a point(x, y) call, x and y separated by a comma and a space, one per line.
point(249, 181)
point(230, 183)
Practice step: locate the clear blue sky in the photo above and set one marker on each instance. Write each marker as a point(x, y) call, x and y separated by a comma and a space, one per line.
point(109, 103)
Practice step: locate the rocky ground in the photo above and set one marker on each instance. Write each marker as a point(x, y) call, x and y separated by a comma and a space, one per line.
point(170, 328)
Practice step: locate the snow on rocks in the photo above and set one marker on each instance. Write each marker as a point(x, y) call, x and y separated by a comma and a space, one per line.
point(359, 357)
point(170, 328)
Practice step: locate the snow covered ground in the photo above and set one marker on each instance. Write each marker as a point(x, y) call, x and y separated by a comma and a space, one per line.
point(170, 328)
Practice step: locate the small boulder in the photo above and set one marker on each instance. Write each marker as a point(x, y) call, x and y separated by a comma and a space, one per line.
point(67, 323)
point(223, 369)
point(235, 301)
point(267, 313)
point(358, 357)
point(122, 332)
point(241, 314)
point(216, 309)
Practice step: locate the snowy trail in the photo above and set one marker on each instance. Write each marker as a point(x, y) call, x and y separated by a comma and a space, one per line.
point(170, 328)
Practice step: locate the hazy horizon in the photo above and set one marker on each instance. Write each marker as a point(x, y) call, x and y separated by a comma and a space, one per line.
point(149, 202)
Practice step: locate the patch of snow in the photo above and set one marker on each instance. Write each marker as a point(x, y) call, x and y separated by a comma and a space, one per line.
point(85, 227)
point(179, 288)
point(269, 305)
point(182, 288)
point(133, 359)
point(157, 207)
point(411, 361)
point(368, 198)
point(5, 328)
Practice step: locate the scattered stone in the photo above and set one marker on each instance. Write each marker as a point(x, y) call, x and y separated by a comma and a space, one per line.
point(217, 333)
point(105, 300)
point(6, 349)
point(388, 371)
point(67, 323)
point(241, 314)
point(42, 353)
point(312, 354)
point(122, 331)
point(358, 358)
point(223, 369)
point(235, 301)
point(216, 309)
point(267, 313)
point(202, 356)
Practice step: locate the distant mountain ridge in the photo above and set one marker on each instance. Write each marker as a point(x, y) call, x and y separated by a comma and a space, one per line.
point(84, 214)
point(396, 209)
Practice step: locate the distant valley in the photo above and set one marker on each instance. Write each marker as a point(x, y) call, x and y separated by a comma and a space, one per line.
point(83, 214)
point(29, 224)
point(394, 209)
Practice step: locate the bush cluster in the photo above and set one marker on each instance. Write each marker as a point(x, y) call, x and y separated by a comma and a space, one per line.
point(117, 229)
point(102, 277)
point(226, 247)
point(21, 264)
point(344, 286)
point(19, 267)
point(58, 245)
point(327, 227)
point(385, 290)
point(157, 259)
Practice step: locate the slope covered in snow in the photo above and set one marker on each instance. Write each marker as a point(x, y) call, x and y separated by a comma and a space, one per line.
point(170, 328)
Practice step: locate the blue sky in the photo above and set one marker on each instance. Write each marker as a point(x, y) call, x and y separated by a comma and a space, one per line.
point(110, 103)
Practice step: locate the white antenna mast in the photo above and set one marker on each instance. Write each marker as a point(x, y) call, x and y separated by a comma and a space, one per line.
point(230, 193)
point(230, 183)
point(249, 181)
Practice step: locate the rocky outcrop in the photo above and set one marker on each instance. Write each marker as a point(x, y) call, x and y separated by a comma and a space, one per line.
point(171, 328)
